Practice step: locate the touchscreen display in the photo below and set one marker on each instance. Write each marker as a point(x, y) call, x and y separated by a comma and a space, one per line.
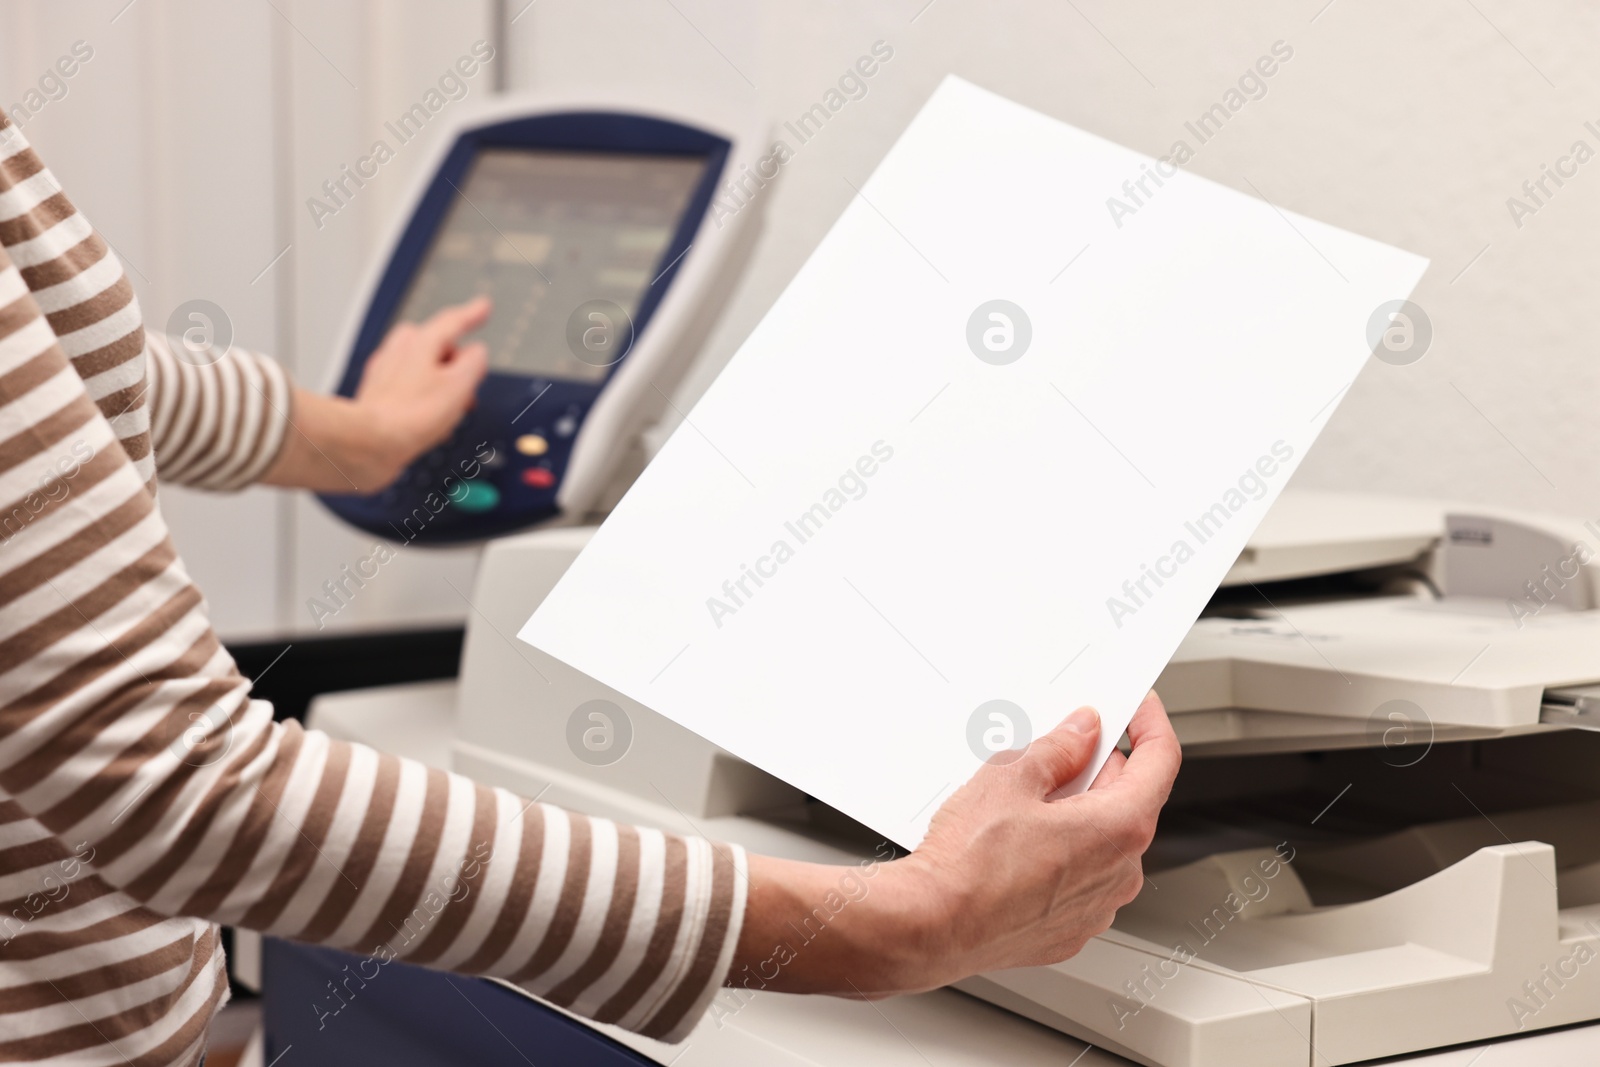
point(559, 240)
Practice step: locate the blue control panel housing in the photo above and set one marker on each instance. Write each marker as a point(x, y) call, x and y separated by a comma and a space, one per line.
point(478, 484)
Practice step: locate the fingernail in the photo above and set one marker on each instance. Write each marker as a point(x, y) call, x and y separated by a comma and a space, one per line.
point(1083, 721)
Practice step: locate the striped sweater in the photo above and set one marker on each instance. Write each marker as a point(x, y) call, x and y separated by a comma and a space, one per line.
point(144, 797)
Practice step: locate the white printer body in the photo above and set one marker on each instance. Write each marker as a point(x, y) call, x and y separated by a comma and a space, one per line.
point(1382, 839)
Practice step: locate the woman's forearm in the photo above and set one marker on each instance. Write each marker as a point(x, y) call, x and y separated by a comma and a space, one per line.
point(333, 445)
point(852, 931)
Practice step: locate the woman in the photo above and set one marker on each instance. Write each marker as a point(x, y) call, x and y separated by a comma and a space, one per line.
point(144, 797)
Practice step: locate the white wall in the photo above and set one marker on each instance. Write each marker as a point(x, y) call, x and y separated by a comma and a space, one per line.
point(163, 136)
point(1410, 123)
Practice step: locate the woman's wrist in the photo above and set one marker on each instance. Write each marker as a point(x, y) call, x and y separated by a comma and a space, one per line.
point(337, 445)
point(907, 928)
point(874, 928)
point(371, 445)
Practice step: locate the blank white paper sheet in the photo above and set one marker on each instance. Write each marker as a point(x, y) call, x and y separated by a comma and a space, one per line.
point(983, 462)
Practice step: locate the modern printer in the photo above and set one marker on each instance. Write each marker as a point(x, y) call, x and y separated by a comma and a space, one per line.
point(1381, 841)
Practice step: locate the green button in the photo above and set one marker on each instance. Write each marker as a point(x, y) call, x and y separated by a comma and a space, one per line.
point(478, 496)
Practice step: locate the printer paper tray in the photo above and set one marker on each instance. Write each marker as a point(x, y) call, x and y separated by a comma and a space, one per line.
point(1225, 965)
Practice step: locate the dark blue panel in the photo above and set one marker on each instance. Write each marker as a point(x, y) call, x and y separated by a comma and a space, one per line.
point(407, 1016)
point(415, 509)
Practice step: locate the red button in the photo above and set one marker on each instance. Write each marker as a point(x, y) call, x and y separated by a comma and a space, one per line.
point(539, 477)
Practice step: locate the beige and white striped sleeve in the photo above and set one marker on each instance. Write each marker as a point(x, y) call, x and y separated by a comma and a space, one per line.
point(125, 725)
point(128, 737)
point(217, 419)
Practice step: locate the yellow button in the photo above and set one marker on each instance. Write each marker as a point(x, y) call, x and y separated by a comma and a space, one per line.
point(531, 444)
